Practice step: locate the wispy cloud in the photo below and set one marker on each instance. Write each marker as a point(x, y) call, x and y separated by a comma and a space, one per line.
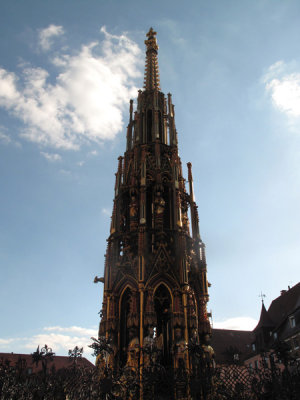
point(85, 103)
point(93, 153)
point(5, 342)
point(51, 156)
point(71, 330)
point(60, 339)
point(46, 35)
point(106, 211)
point(238, 323)
point(5, 138)
point(283, 86)
point(65, 172)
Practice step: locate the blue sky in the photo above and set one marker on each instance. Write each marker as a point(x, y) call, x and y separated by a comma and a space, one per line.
point(67, 72)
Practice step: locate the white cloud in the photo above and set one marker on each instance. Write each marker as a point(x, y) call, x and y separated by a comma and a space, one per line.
point(60, 339)
point(84, 102)
point(238, 323)
point(65, 172)
point(4, 342)
point(106, 211)
point(5, 138)
point(80, 163)
point(93, 153)
point(51, 157)
point(72, 329)
point(283, 86)
point(46, 35)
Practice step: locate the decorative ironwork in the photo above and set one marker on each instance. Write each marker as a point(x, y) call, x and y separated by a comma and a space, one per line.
point(75, 355)
point(45, 355)
point(154, 380)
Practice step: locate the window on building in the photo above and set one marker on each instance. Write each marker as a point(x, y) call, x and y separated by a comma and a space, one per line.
point(265, 362)
point(275, 335)
point(292, 321)
point(290, 344)
point(250, 365)
point(256, 364)
point(296, 343)
point(236, 357)
point(253, 346)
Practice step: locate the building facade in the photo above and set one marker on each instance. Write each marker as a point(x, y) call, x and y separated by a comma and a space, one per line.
point(155, 284)
point(277, 333)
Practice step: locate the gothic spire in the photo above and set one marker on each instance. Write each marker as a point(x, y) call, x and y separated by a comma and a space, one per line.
point(151, 81)
point(264, 320)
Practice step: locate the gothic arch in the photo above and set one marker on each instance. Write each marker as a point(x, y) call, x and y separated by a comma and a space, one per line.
point(165, 279)
point(160, 283)
point(126, 281)
point(125, 313)
point(163, 306)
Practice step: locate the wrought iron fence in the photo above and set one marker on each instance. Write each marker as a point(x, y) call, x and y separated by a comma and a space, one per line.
point(156, 382)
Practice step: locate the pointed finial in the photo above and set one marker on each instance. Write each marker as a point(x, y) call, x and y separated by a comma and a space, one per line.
point(151, 69)
point(151, 43)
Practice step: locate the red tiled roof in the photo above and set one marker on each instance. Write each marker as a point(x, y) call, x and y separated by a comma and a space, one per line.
point(58, 362)
point(264, 321)
point(285, 304)
point(225, 340)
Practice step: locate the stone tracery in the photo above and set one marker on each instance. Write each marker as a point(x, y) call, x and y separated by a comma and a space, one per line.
point(155, 270)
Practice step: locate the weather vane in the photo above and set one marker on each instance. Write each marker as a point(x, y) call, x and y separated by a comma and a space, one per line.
point(262, 297)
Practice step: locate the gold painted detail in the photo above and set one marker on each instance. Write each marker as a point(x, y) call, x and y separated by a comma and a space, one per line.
point(151, 70)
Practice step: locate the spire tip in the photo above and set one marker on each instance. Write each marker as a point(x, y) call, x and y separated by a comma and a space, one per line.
point(151, 70)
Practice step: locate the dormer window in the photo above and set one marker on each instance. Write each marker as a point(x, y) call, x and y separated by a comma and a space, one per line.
point(292, 321)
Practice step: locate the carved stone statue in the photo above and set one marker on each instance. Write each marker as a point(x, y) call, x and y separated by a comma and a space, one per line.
point(180, 348)
point(111, 360)
point(195, 352)
point(160, 204)
point(133, 350)
point(208, 352)
point(194, 339)
point(133, 212)
point(149, 344)
point(133, 207)
point(149, 339)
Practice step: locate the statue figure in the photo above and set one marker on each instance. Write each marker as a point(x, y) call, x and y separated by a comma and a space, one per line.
point(159, 203)
point(195, 352)
point(192, 310)
point(208, 352)
point(133, 350)
point(194, 340)
point(133, 207)
point(122, 223)
point(150, 315)
point(180, 348)
point(133, 212)
point(111, 359)
point(149, 346)
point(149, 340)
